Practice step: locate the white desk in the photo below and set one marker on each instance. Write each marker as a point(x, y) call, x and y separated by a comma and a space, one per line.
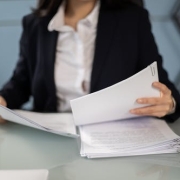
point(26, 148)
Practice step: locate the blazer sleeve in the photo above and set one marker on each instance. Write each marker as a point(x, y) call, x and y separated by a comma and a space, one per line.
point(17, 90)
point(148, 54)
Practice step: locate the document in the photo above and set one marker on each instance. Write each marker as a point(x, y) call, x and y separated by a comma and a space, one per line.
point(114, 103)
point(106, 127)
point(24, 174)
point(57, 123)
point(137, 136)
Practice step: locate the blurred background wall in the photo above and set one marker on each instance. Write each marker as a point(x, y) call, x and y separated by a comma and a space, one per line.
point(11, 12)
point(165, 31)
point(167, 34)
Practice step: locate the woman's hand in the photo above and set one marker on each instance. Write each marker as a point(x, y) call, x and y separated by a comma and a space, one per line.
point(3, 103)
point(158, 107)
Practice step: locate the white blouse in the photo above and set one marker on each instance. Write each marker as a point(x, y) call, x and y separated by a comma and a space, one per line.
point(74, 56)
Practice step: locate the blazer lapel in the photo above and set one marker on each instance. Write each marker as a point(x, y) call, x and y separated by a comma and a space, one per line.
point(47, 45)
point(106, 25)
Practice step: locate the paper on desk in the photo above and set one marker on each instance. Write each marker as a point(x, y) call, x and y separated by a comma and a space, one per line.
point(114, 102)
point(23, 174)
point(145, 135)
point(57, 123)
point(60, 122)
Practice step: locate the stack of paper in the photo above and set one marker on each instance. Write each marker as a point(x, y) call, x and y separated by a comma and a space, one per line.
point(130, 137)
point(57, 123)
point(109, 138)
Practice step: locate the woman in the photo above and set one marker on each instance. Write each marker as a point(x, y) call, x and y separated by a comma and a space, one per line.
point(75, 47)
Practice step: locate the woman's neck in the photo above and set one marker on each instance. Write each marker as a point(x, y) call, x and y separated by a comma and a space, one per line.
point(77, 10)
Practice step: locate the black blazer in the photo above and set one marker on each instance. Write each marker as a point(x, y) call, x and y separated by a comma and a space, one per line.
point(124, 46)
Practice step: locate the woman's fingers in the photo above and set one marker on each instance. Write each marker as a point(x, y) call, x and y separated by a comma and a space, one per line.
point(3, 103)
point(154, 101)
point(162, 88)
point(156, 106)
point(158, 111)
point(2, 121)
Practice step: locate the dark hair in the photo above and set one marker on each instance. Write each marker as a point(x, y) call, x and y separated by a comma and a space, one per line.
point(48, 7)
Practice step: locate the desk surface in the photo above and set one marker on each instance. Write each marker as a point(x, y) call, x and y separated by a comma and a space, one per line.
point(26, 148)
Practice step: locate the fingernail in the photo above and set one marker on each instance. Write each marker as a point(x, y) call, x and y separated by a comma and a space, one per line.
point(139, 100)
point(155, 84)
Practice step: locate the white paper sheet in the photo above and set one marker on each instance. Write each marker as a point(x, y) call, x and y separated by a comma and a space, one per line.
point(128, 137)
point(57, 123)
point(23, 174)
point(114, 103)
point(60, 122)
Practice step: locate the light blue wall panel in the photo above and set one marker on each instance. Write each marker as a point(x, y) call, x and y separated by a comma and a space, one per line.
point(11, 13)
point(160, 7)
point(15, 9)
point(168, 41)
point(167, 35)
